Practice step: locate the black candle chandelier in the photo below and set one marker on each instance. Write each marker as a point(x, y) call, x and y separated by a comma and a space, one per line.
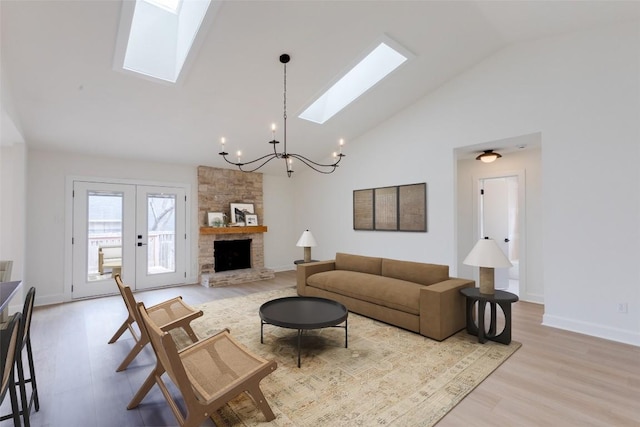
point(288, 157)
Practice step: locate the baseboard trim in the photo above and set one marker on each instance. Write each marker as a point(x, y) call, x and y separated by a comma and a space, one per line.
point(48, 300)
point(283, 268)
point(592, 329)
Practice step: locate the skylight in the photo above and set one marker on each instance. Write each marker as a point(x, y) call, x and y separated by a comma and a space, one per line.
point(372, 69)
point(170, 5)
point(160, 36)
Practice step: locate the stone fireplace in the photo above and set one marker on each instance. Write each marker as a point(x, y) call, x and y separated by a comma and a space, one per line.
point(217, 189)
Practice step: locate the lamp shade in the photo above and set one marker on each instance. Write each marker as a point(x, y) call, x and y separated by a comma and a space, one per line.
point(306, 240)
point(487, 253)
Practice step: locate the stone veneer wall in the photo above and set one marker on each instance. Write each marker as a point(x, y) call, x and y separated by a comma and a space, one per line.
point(217, 189)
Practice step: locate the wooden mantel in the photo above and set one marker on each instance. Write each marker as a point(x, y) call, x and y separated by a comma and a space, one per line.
point(234, 230)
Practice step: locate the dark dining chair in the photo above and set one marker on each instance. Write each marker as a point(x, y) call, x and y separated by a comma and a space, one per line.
point(25, 334)
point(24, 331)
point(9, 348)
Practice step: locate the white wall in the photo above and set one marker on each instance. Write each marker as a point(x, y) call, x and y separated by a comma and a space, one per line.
point(13, 160)
point(581, 92)
point(280, 240)
point(528, 161)
point(48, 214)
point(13, 208)
point(324, 202)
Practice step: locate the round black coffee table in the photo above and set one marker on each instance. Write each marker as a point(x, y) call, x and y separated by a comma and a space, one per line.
point(303, 313)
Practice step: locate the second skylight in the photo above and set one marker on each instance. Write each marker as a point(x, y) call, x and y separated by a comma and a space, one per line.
point(373, 68)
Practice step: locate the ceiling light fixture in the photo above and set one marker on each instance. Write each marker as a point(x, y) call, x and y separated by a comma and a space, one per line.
point(488, 156)
point(284, 155)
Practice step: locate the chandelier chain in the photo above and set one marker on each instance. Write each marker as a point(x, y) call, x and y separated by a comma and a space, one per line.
point(284, 131)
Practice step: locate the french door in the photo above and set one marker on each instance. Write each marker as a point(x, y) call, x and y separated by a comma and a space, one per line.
point(137, 231)
point(160, 237)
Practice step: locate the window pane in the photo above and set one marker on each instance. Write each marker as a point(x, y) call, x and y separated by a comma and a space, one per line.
point(104, 235)
point(161, 233)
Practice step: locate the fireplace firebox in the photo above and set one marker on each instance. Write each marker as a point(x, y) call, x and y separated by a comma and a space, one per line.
point(231, 254)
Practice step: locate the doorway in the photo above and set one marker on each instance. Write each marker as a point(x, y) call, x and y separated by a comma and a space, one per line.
point(137, 231)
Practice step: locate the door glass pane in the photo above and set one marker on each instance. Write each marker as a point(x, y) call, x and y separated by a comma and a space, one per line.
point(161, 233)
point(104, 246)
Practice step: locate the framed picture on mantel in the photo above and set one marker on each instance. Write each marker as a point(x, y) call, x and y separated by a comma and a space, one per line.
point(251, 219)
point(239, 212)
point(215, 219)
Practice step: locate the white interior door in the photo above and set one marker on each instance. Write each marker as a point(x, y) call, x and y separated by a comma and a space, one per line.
point(160, 237)
point(494, 214)
point(134, 230)
point(103, 228)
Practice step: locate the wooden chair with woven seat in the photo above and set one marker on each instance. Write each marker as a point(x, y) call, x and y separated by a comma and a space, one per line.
point(9, 348)
point(167, 315)
point(208, 373)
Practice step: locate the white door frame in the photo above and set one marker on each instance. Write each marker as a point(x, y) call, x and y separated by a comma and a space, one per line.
point(522, 220)
point(68, 221)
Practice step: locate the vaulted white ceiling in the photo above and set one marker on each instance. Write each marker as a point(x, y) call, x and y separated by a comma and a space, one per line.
point(61, 91)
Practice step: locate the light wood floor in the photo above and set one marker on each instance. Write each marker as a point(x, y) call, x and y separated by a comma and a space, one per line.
point(557, 378)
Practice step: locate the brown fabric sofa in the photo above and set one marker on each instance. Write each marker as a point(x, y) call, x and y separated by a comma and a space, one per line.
point(415, 296)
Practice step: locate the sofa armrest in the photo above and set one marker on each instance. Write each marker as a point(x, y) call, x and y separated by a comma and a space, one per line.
point(307, 269)
point(442, 308)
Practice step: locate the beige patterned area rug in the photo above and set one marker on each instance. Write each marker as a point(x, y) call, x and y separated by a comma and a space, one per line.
point(387, 376)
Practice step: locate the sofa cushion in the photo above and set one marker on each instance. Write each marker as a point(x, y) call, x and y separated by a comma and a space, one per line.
point(362, 264)
point(417, 272)
point(387, 292)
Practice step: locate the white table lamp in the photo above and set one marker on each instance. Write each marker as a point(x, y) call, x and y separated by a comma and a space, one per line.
point(307, 241)
point(487, 255)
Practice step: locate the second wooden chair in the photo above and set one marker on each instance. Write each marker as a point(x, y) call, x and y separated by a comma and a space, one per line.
point(208, 374)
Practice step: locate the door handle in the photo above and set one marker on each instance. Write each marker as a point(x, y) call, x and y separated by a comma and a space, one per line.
point(142, 244)
point(507, 240)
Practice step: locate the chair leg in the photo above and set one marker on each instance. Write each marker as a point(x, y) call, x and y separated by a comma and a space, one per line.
point(25, 411)
point(146, 386)
point(189, 331)
point(137, 348)
point(13, 394)
point(32, 380)
point(261, 402)
point(120, 331)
